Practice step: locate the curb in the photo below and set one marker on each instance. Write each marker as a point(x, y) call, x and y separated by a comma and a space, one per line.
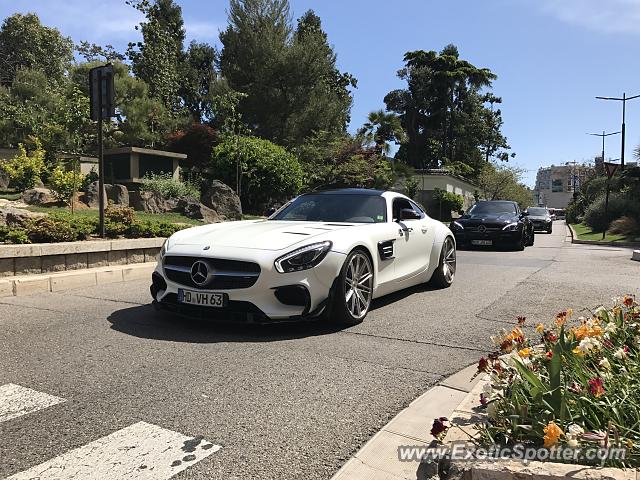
point(378, 458)
point(56, 282)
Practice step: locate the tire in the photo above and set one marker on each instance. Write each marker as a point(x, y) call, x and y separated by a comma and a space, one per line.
point(444, 275)
point(549, 230)
point(532, 239)
point(521, 242)
point(350, 305)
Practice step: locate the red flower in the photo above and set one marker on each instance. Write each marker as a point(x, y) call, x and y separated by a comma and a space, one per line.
point(575, 388)
point(596, 387)
point(607, 344)
point(625, 349)
point(483, 365)
point(439, 426)
point(483, 400)
point(628, 301)
point(549, 354)
point(550, 337)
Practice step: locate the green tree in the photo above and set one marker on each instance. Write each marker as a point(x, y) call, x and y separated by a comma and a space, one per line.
point(94, 53)
point(26, 43)
point(197, 74)
point(504, 182)
point(157, 58)
point(290, 79)
point(382, 128)
point(26, 168)
point(447, 117)
point(268, 172)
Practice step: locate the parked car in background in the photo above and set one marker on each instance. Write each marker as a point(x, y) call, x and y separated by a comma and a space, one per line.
point(559, 213)
point(540, 219)
point(324, 254)
point(552, 213)
point(494, 223)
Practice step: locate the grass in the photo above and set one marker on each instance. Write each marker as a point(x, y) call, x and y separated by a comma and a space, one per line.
point(157, 217)
point(584, 233)
point(7, 195)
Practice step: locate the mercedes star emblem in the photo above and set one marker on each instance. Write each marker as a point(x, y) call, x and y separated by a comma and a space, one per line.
point(482, 229)
point(199, 273)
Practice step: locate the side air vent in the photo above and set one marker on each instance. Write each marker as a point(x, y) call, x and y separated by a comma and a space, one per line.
point(386, 249)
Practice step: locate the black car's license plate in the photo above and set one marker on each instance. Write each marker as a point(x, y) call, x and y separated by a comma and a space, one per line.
point(482, 242)
point(203, 299)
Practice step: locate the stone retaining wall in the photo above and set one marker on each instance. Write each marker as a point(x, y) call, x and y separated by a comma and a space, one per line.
point(59, 257)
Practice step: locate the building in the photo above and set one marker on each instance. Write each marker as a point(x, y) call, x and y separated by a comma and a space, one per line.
point(128, 165)
point(429, 180)
point(556, 184)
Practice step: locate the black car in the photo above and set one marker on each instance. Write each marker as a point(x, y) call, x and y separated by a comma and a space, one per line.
point(540, 218)
point(492, 223)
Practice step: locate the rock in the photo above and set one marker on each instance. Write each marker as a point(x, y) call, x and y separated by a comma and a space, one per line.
point(91, 197)
point(147, 201)
point(223, 200)
point(192, 208)
point(4, 180)
point(118, 194)
point(17, 217)
point(38, 196)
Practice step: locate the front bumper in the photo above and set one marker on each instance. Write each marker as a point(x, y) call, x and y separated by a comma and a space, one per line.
point(541, 225)
point(496, 237)
point(267, 300)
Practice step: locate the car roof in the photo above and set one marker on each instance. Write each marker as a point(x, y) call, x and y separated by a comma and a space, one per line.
point(349, 191)
point(495, 201)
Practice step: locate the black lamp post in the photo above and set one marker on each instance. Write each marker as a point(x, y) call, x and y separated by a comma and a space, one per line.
point(624, 108)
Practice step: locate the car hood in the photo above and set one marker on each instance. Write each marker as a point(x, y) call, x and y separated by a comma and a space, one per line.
point(483, 218)
point(257, 234)
point(538, 217)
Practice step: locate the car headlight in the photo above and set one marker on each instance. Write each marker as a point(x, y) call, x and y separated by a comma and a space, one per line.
point(165, 247)
point(511, 227)
point(457, 225)
point(547, 220)
point(303, 258)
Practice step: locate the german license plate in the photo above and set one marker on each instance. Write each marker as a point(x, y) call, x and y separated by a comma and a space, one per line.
point(481, 242)
point(203, 299)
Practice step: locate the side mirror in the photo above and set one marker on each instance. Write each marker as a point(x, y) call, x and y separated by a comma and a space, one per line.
point(524, 214)
point(270, 211)
point(461, 212)
point(409, 214)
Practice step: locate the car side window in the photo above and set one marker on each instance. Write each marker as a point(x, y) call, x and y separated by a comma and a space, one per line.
point(400, 204)
point(418, 209)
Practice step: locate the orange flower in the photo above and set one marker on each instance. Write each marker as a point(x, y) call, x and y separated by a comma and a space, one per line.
point(627, 301)
point(549, 354)
point(552, 434)
point(561, 319)
point(525, 352)
point(595, 331)
point(539, 328)
point(581, 332)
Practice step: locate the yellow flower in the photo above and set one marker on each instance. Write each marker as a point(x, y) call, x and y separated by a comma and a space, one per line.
point(552, 434)
point(578, 352)
point(539, 328)
point(581, 332)
point(569, 312)
point(525, 352)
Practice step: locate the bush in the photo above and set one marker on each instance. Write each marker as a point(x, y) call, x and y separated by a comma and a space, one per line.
point(147, 229)
point(50, 229)
point(13, 235)
point(89, 178)
point(25, 169)
point(119, 214)
point(411, 187)
point(167, 187)
point(576, 385)
point(268, 172)
point(447, 202)
point(624, 226)
point(64, 184)
point(619, 206)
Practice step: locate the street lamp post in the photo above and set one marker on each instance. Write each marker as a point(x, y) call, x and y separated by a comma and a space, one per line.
point(603, 135)
point(624, 108)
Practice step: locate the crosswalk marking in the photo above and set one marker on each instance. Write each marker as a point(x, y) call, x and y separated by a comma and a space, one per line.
point(16, 401)
point(141, 451)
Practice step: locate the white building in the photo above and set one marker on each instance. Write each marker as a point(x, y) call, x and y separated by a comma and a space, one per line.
point(556, 184)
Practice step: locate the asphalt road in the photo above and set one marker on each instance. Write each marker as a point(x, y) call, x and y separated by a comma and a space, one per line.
point(284, 402)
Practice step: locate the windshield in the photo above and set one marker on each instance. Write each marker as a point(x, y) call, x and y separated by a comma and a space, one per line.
point(492, 208)
point(538, 212)
point(335, 208)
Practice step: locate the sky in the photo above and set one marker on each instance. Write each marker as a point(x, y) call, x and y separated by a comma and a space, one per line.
point(552, 57)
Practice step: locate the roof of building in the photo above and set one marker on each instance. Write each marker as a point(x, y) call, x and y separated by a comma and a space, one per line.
point(146, 151)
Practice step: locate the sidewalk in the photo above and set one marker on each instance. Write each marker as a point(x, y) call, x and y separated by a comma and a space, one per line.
point(378, 459)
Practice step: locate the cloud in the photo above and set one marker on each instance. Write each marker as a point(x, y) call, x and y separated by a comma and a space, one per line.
point(201, 31)
point(608, 16)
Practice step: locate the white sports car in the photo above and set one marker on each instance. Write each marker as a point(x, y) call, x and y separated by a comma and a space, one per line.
point(328, 253)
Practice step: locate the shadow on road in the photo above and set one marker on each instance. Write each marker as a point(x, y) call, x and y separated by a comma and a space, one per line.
point(145, 322)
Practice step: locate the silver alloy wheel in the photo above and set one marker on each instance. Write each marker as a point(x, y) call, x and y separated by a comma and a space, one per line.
point(358, 285)
point(449, 260)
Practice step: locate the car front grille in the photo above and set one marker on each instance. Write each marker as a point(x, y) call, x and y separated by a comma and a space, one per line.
point(489, 227)
point(224, 274)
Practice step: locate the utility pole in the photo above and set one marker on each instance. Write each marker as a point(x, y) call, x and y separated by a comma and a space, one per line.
point(624, 108)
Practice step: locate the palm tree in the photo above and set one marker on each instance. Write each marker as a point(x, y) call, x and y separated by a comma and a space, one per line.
point(380, 129)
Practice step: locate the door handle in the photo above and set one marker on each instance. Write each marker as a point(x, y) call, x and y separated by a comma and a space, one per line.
point(424, 229)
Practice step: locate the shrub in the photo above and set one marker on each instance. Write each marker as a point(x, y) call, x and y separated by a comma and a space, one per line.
point(13, 235)
point(447, 202)
point(268, 172)
point(167, 187)
point(619, 206)
point(89, 178)
point(119, 214)
point(50, 229)
point(624, 226)
point(578, 387)
point(26, 168)
point(64, 184)
point(411, 187)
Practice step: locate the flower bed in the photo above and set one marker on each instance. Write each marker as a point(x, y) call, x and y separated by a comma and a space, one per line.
point(577, 387)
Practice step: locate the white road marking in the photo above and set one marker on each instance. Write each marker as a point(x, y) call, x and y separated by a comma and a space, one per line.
point(16, 401)
point(141, 451)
